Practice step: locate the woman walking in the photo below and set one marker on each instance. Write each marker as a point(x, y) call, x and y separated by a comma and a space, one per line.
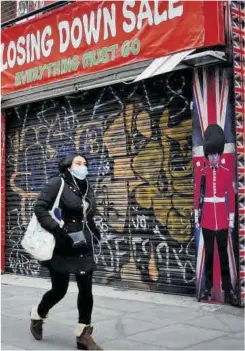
point(76, 209)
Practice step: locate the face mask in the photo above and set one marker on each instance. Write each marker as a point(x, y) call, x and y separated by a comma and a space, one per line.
point(79, 172)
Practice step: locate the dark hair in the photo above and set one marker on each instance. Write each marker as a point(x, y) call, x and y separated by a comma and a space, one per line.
point(214, 140)
point(66, 161)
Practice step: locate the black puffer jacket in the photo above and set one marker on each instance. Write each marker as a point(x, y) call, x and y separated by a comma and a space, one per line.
point(65, 257)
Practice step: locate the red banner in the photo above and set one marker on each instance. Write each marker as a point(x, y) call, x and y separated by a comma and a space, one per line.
point(92, 36)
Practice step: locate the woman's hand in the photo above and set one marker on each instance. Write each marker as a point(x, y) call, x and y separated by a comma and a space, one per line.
point(62, 238)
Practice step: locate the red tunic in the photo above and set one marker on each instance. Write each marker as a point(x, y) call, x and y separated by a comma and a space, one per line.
point(219, 201)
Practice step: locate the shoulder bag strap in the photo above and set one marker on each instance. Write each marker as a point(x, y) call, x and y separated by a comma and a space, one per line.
point(57, 200)
point(84, 206)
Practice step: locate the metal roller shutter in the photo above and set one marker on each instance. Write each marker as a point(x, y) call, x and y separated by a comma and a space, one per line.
point(138, 142)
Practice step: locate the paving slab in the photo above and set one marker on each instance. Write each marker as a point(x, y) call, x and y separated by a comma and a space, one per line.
point(176, 337)
point(219, 321)
point(124, 344)
point(224, 343)
point(167, 315)
point(8, 347)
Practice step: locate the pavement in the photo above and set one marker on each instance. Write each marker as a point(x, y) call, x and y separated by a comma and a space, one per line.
point(123, 320)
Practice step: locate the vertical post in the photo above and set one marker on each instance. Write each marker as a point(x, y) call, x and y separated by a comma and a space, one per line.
point(238, 33)
point(2, 191)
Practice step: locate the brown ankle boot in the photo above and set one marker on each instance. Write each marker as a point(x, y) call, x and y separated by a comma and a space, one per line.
point(36, 324)
point(84, 339)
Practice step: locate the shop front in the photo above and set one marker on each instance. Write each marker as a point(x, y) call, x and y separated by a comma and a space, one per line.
point(101, 81)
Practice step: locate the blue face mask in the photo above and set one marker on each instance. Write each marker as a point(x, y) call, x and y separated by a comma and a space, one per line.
point(80, 172)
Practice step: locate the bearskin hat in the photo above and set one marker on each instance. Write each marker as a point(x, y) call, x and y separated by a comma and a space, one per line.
point(213, 140)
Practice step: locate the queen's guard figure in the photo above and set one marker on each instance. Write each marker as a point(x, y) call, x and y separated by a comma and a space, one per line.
point(215, 198)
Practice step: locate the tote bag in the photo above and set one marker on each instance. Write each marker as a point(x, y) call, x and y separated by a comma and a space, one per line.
point(37, 241)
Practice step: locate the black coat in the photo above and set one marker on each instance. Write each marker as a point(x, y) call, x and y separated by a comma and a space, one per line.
point(65, 257)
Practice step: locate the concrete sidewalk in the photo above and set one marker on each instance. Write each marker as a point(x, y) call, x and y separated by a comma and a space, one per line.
point(123, 319)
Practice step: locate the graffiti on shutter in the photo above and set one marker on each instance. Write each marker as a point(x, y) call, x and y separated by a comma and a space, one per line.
point(137, 139)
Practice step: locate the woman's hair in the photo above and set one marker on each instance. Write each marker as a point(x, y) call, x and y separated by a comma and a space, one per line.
point(214, 140)
point(66, 162)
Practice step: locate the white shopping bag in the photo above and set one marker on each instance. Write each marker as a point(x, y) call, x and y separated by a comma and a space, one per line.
point(37, 241)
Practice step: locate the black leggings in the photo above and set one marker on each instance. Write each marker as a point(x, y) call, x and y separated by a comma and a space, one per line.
point(60, 282)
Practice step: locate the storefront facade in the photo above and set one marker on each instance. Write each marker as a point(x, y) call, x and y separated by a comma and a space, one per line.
point(140, 124)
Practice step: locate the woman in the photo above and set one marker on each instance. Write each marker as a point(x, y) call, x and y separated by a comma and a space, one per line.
point(76, 209)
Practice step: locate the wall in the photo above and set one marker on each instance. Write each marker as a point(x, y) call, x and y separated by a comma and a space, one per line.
point(8, 10)
point(16, 8)
point(138, 142)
